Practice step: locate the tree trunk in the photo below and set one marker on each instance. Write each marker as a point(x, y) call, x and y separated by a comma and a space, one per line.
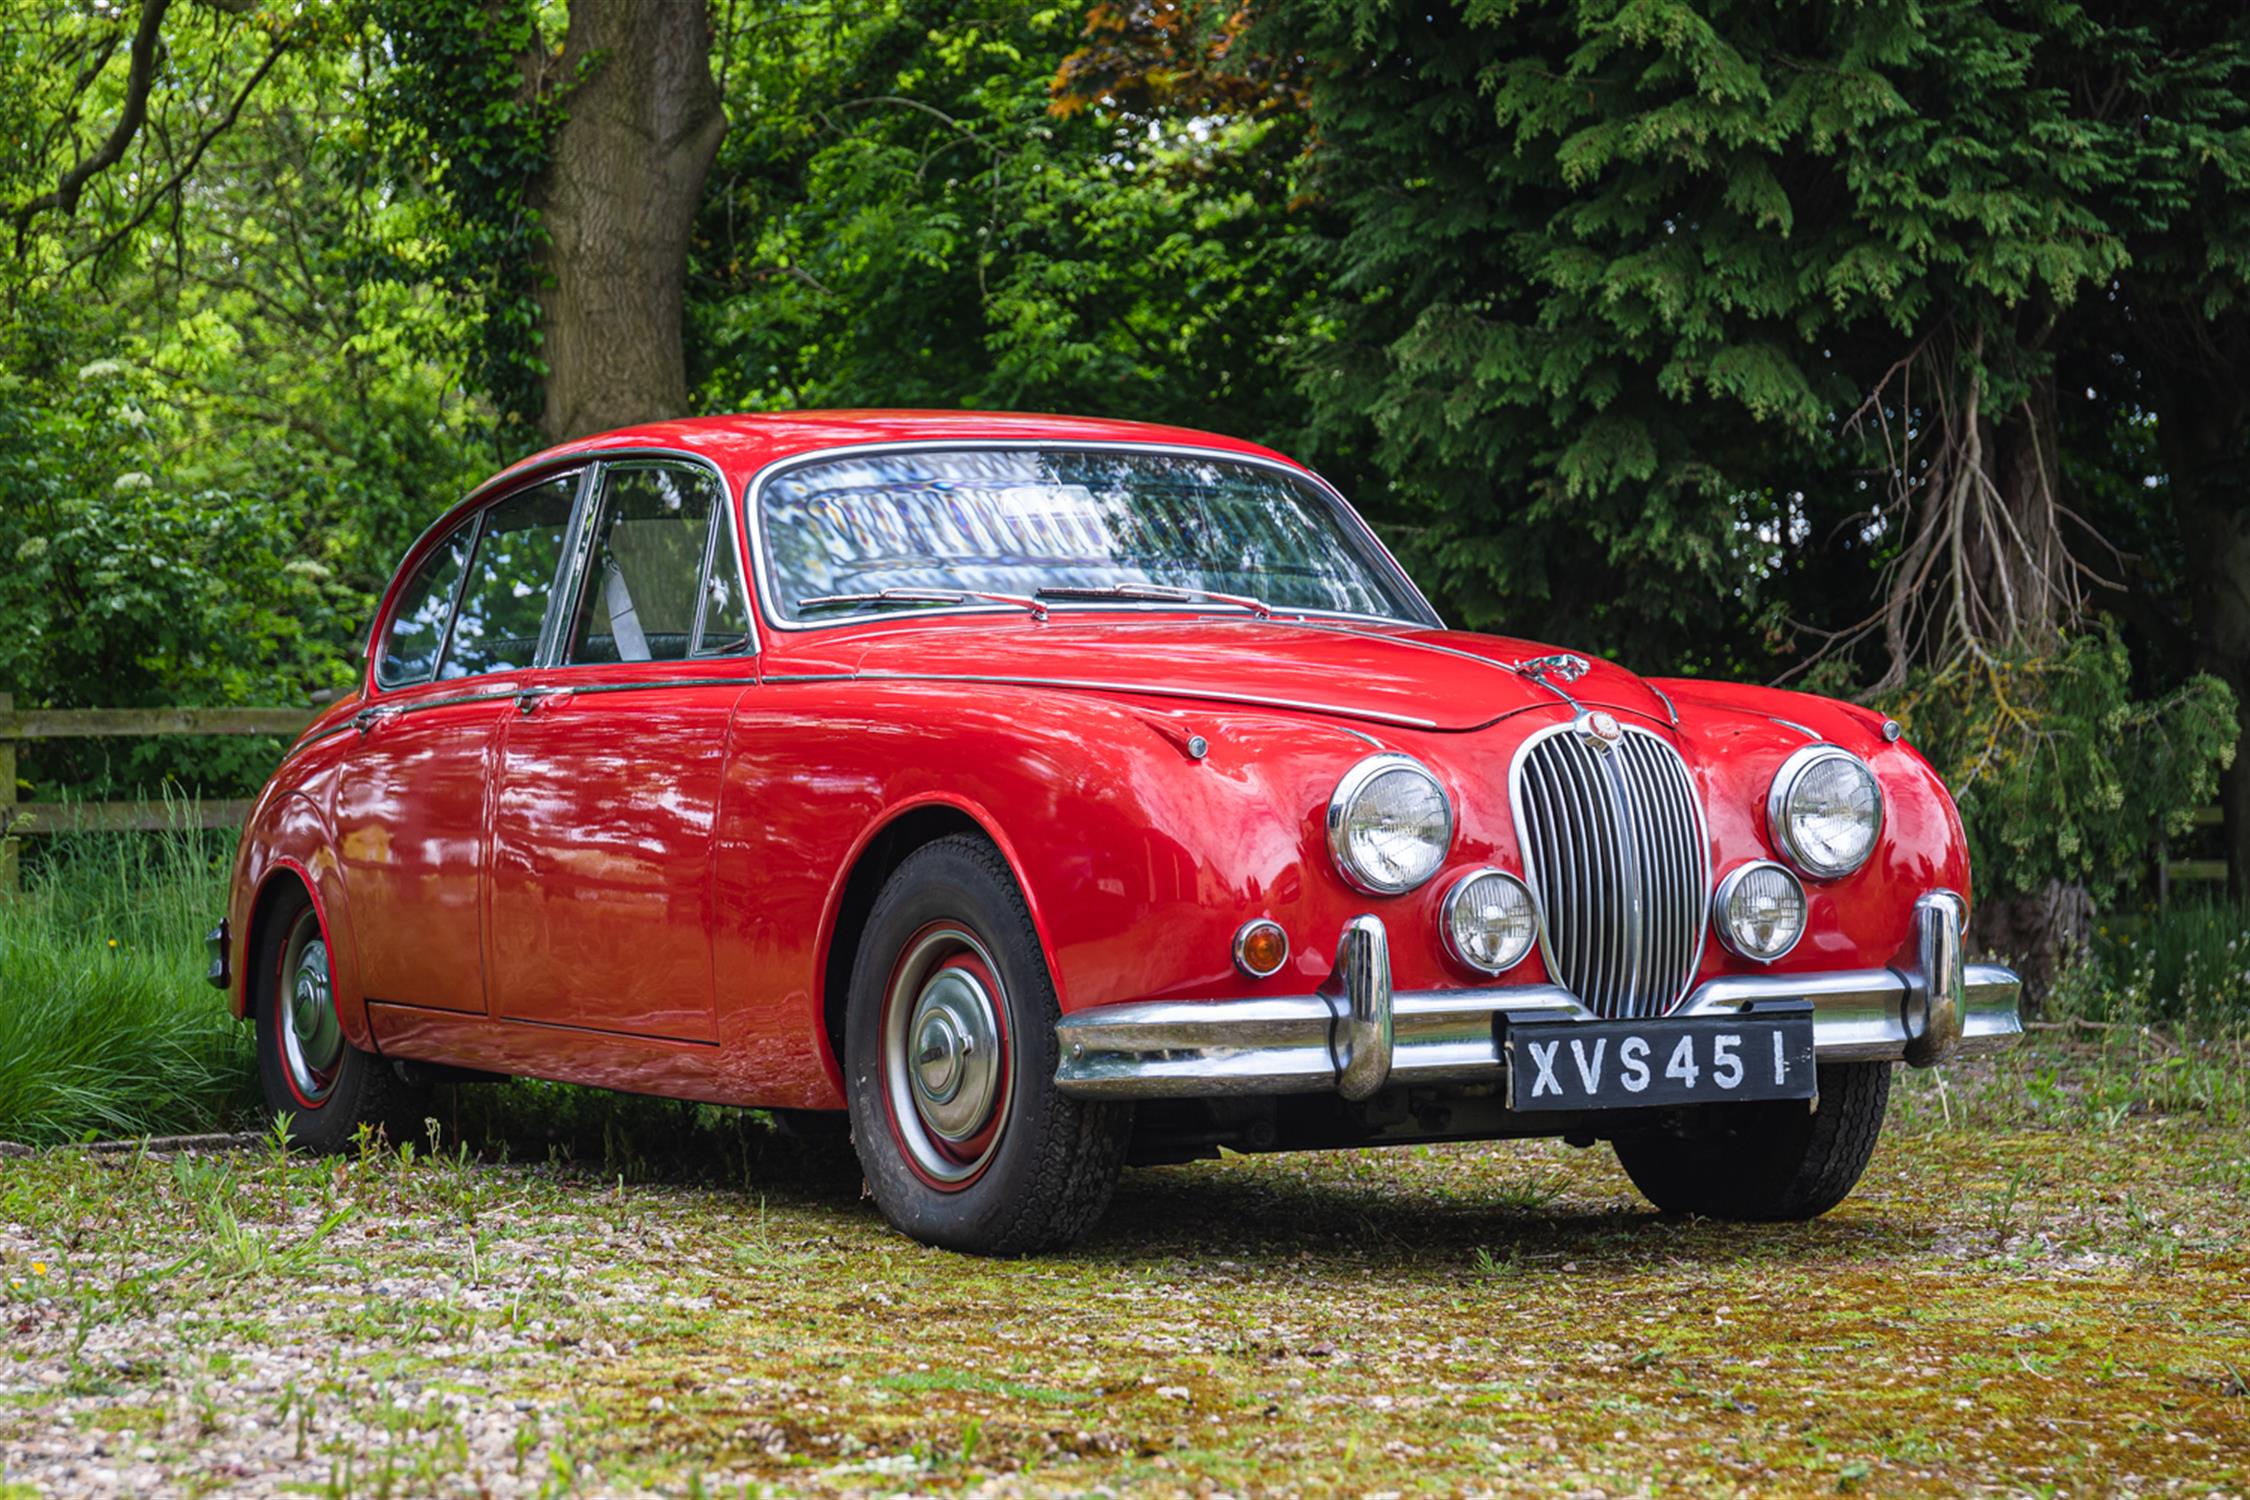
point(2022, 557)
point(2205, 435)
point(618, 202)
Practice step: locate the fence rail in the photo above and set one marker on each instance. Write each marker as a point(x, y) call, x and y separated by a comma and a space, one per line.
point(23, 819)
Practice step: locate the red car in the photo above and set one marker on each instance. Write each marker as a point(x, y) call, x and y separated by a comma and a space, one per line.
point(1052, 794)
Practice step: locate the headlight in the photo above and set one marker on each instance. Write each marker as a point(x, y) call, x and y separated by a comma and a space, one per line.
point(1389, 824)
point(1760, 911)
point(1490, 920)
point(1824, 811)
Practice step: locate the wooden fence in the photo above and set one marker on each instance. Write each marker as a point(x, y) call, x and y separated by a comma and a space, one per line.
point(20, 819)
point(2171, 872)
point(24, 818)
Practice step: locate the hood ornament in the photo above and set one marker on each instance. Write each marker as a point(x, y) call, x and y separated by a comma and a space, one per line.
point(1562, 666)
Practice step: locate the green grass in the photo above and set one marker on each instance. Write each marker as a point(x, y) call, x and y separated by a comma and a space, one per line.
point(106, 1025)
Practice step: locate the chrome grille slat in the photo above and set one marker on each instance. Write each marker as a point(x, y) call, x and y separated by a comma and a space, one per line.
point(1613, 844)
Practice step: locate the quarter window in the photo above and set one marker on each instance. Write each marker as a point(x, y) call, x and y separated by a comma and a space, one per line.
point(504, 603)
point(660, 582)
point(417, 630)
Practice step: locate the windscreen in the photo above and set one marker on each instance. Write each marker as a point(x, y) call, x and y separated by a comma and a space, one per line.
point(1019, 521)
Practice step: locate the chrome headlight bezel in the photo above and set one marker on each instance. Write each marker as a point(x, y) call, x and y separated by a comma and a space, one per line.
point(1354, 782)
point(1458, 891)
point(1723, 898)
point(1784, 788)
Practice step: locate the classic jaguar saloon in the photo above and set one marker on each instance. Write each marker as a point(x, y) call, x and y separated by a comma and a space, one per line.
point(1055, 794)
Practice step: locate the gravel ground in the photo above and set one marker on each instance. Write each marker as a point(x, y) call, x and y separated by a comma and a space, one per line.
point(2037, 1290)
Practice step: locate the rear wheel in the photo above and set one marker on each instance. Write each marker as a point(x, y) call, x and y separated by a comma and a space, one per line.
point(309, 1071)
point(1766, 1162)
point(949, 1046)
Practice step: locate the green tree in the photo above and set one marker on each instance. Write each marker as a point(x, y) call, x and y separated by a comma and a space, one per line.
point(1728, 335)
point(912, 215)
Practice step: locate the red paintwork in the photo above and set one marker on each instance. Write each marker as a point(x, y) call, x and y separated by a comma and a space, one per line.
point(641, 889)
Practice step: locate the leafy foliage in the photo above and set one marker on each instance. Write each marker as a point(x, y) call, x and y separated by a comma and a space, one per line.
point(909, 220)
point(2061, 774)
point(462, 111)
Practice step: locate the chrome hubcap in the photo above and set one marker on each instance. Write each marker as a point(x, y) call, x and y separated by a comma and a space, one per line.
point(945, 1054)
point(312, 1039)
point(956, 1065)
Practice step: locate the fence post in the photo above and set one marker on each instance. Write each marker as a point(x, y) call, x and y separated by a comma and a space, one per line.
point(7, 798)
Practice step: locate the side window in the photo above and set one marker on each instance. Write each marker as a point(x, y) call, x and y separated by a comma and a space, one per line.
point(644, 594)
point(726, 608)
point(504, 602)
point(416, 634)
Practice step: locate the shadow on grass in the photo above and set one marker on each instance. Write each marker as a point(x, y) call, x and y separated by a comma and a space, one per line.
point(1466, 1212)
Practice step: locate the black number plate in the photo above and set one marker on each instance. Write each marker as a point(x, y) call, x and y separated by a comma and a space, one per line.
point(1633, 1064)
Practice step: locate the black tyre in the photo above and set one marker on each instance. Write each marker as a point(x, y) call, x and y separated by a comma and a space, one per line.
point(310, 1073)
point(949, 1054)
point(1763, 1163)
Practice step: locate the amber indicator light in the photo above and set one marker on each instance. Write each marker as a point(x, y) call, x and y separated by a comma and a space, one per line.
point(1261, 948)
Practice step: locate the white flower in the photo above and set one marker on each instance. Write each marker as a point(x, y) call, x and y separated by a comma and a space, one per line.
point(132, 479)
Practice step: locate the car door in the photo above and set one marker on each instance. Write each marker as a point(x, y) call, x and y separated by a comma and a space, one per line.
point(410, 806)
point(600, 892)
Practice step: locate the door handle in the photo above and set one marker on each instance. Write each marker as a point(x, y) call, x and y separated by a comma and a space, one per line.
point(368, 718)
point(528, 701)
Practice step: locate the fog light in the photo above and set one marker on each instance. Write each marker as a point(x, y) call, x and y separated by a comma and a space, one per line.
point(1490, 920)
point(1760, 911)
point(1261, 948)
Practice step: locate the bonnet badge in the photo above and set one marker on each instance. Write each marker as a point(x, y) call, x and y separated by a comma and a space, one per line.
point(1601, 729)
point(1563, 666)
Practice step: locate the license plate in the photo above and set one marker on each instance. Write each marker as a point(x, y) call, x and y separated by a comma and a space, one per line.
point(1634, 1064)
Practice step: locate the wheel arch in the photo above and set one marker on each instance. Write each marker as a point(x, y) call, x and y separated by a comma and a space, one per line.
point(886, 845)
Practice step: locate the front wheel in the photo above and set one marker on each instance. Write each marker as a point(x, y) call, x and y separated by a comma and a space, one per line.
point(324, 1087)
point(949, 1047)
point(1765, 1163)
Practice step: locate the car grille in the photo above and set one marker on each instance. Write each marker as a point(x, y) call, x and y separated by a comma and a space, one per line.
point(1613, 845)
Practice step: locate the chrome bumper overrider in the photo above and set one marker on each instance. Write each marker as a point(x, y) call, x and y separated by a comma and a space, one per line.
point(1355, 1036)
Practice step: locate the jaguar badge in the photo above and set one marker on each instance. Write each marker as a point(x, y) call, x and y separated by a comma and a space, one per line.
point(1563, 666)
point(1600, 729)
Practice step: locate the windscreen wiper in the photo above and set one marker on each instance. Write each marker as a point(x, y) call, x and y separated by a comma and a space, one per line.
point(1157, 593)
point(921, 596)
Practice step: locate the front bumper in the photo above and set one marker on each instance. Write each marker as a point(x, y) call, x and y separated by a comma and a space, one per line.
point(1355, 1036)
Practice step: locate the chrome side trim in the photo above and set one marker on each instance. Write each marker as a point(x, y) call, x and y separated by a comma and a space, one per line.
point(1138, 689)
point(1355, 1028)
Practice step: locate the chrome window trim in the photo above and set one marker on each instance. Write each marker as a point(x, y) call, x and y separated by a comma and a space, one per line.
point(1777, 805)
point(1543, 899)
point(472, 507)
point(763, 585)
point(1725, 888)
point(1453, 895)
point(1349, 786)
point(581, 557)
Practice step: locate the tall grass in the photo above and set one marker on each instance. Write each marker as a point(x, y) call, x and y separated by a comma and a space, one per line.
point(106, 1025)
point(2186, 966)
